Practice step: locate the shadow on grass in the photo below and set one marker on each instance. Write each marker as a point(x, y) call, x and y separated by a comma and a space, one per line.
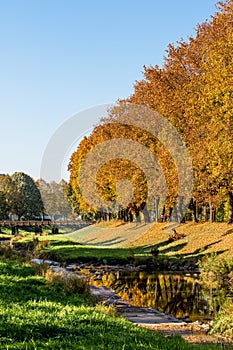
point(228, 232)
point(65, 243)
point(21, 285)
point(101, 252)
point(202, 249)
point(161, 244)
point(136, 226)
point(174, 248)
point(191, 258)
point(15, 270)
point(86, 254)
point(109, 242)
point(40, 331)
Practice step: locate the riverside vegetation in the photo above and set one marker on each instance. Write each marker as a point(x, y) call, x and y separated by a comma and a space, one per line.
point(217, 275)
point(47, 313)
point(53, 310)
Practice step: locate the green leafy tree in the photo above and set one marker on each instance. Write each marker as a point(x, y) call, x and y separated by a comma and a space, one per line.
point(8, 195)
point(28, 201)
point(55, 198)
point(72, 198)
point(4, 208)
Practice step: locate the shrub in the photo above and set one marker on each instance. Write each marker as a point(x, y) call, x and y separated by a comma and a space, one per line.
point(44, 234)
point(224, 321)
point(7, 252)
point(38, 245)
point(131, 257)
point(67, 283)
point(41, 269)
point(216, 272)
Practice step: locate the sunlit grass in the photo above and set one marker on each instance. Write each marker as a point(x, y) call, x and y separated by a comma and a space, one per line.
point(35, 315)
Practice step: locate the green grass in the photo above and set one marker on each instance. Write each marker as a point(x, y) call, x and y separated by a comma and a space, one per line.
point(72, 252)
point(5, 232)
point(36, 315)
point(64, 249)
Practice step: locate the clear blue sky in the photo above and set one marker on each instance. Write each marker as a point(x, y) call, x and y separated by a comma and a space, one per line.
point(60, 57)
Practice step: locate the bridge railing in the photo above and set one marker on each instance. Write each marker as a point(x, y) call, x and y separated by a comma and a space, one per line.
point(8, 223)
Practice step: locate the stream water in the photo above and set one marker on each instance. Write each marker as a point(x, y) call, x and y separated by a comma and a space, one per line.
point(175, 294)
point(178, 295)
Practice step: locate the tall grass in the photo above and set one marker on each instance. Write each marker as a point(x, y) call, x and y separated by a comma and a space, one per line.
point(35, 314)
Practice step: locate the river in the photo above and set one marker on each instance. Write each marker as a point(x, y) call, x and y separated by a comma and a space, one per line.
point(179, 295)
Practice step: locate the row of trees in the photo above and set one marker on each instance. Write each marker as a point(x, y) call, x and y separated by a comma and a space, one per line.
point(55, 198)
point(20, 195)
point(194, 91)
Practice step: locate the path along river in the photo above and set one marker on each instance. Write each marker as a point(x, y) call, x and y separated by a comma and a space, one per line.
point(171, 303)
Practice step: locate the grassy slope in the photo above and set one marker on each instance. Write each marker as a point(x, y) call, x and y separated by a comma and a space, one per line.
point(110, 234)
point(116, 242)
point(199, 238)
point(36, 315)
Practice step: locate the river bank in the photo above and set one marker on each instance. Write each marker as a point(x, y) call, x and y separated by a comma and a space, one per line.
point(149, 318)
point(42, 313)
point(117, 250)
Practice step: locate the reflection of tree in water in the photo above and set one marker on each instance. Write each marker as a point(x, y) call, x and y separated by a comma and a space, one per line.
point(172, 294)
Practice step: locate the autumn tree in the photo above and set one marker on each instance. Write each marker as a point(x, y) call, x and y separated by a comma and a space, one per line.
point(193, 90)
point(71, 197)
point(117, 161)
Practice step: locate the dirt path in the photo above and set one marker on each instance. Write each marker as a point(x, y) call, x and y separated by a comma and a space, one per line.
point(190, 332)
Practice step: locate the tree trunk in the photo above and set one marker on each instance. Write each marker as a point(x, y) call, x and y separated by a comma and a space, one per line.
point(126, 216)
point(138, 217)
point(146, 214)
point(180, 204)
point(120, 213)
point(170, 213)
point(130, 217)
point(204, 213)
point(193, 208)
point(174, 216)
point(212, 213)
point(230, 221)
point(157, 209)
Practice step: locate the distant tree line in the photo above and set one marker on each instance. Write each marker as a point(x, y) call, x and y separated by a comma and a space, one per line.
point(55, 198)
point(20, 195)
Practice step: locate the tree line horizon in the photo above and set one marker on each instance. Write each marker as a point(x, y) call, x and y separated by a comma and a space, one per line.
point(193, 90)
point(25, 198)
